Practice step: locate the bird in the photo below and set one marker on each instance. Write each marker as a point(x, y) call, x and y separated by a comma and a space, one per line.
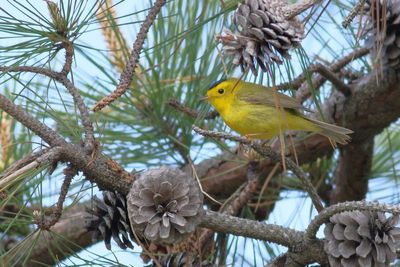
point(259, 112)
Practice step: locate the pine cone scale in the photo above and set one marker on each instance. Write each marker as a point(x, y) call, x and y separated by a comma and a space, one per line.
point(261, 23)
point(171, 210)
point(374, 245)
point(108, 220)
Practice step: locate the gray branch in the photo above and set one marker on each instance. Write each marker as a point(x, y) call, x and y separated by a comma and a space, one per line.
point(327, 213)
point(225, 223)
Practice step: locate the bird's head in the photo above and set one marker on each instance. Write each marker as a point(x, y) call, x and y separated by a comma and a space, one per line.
point(221, 93)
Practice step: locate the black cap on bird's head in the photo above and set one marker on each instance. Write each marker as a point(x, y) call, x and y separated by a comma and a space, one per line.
point(212, 85)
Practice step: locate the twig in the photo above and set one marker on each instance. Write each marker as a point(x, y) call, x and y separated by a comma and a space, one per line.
point(304, 92)
point(50, 156)
point(353, 13)
point(37, 70)
point(83, 110)
point(332, 77)
point(69, 54)
point(327, 213)
point(48, 135)
point(347, 73)
point(269, 153)
point(45, 223)
point(126, 76)
point(335, 67)
point(234, 203)
point(190, 112)
point(63, 79)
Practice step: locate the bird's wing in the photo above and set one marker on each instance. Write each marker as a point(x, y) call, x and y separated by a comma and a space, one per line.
point(258, 94)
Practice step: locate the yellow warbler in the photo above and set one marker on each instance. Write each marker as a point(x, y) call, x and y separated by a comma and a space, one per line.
point(258, 112)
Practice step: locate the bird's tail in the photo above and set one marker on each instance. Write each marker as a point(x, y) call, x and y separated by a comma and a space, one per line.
point(336, 133)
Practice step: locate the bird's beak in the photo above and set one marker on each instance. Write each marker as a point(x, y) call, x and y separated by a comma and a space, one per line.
point(204, 98)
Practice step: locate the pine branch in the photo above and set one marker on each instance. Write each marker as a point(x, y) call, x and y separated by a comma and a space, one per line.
point(125, 79)
point(190, 112)
point(32, 161)
point(304, 92)
point(45, 222)
point(332, 77)
point(63, 79)
point(48, 135)
point(300, 82)
point(328, 212)
point(87, 123)
point(97, 168)
point(376, 106)
point(224, 223)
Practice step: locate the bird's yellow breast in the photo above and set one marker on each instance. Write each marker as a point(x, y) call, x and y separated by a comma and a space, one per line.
point(261, 121)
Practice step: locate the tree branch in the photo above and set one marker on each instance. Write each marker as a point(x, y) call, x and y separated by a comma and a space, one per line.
point(23, 162)
point(45, 222)
point(300, 82)
point(36, 70)
point(125, 79)
point(297, 8)
point(63, 79)
point(323, 217)
point(69, 54)
point(224, 223)
point(48, 135)
point(97, 168)
point(45, 157)
point(190, 112)
point(329, 75)
point(83, 110)
point(351, 176)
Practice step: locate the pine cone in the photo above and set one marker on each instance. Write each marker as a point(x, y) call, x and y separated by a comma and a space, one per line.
point(165, 205)
point(264, 35)
point(110, 219)
point(361, 238)
point(385, 45)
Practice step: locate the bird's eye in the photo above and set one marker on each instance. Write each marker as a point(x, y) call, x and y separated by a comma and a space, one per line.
point(221, 91)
